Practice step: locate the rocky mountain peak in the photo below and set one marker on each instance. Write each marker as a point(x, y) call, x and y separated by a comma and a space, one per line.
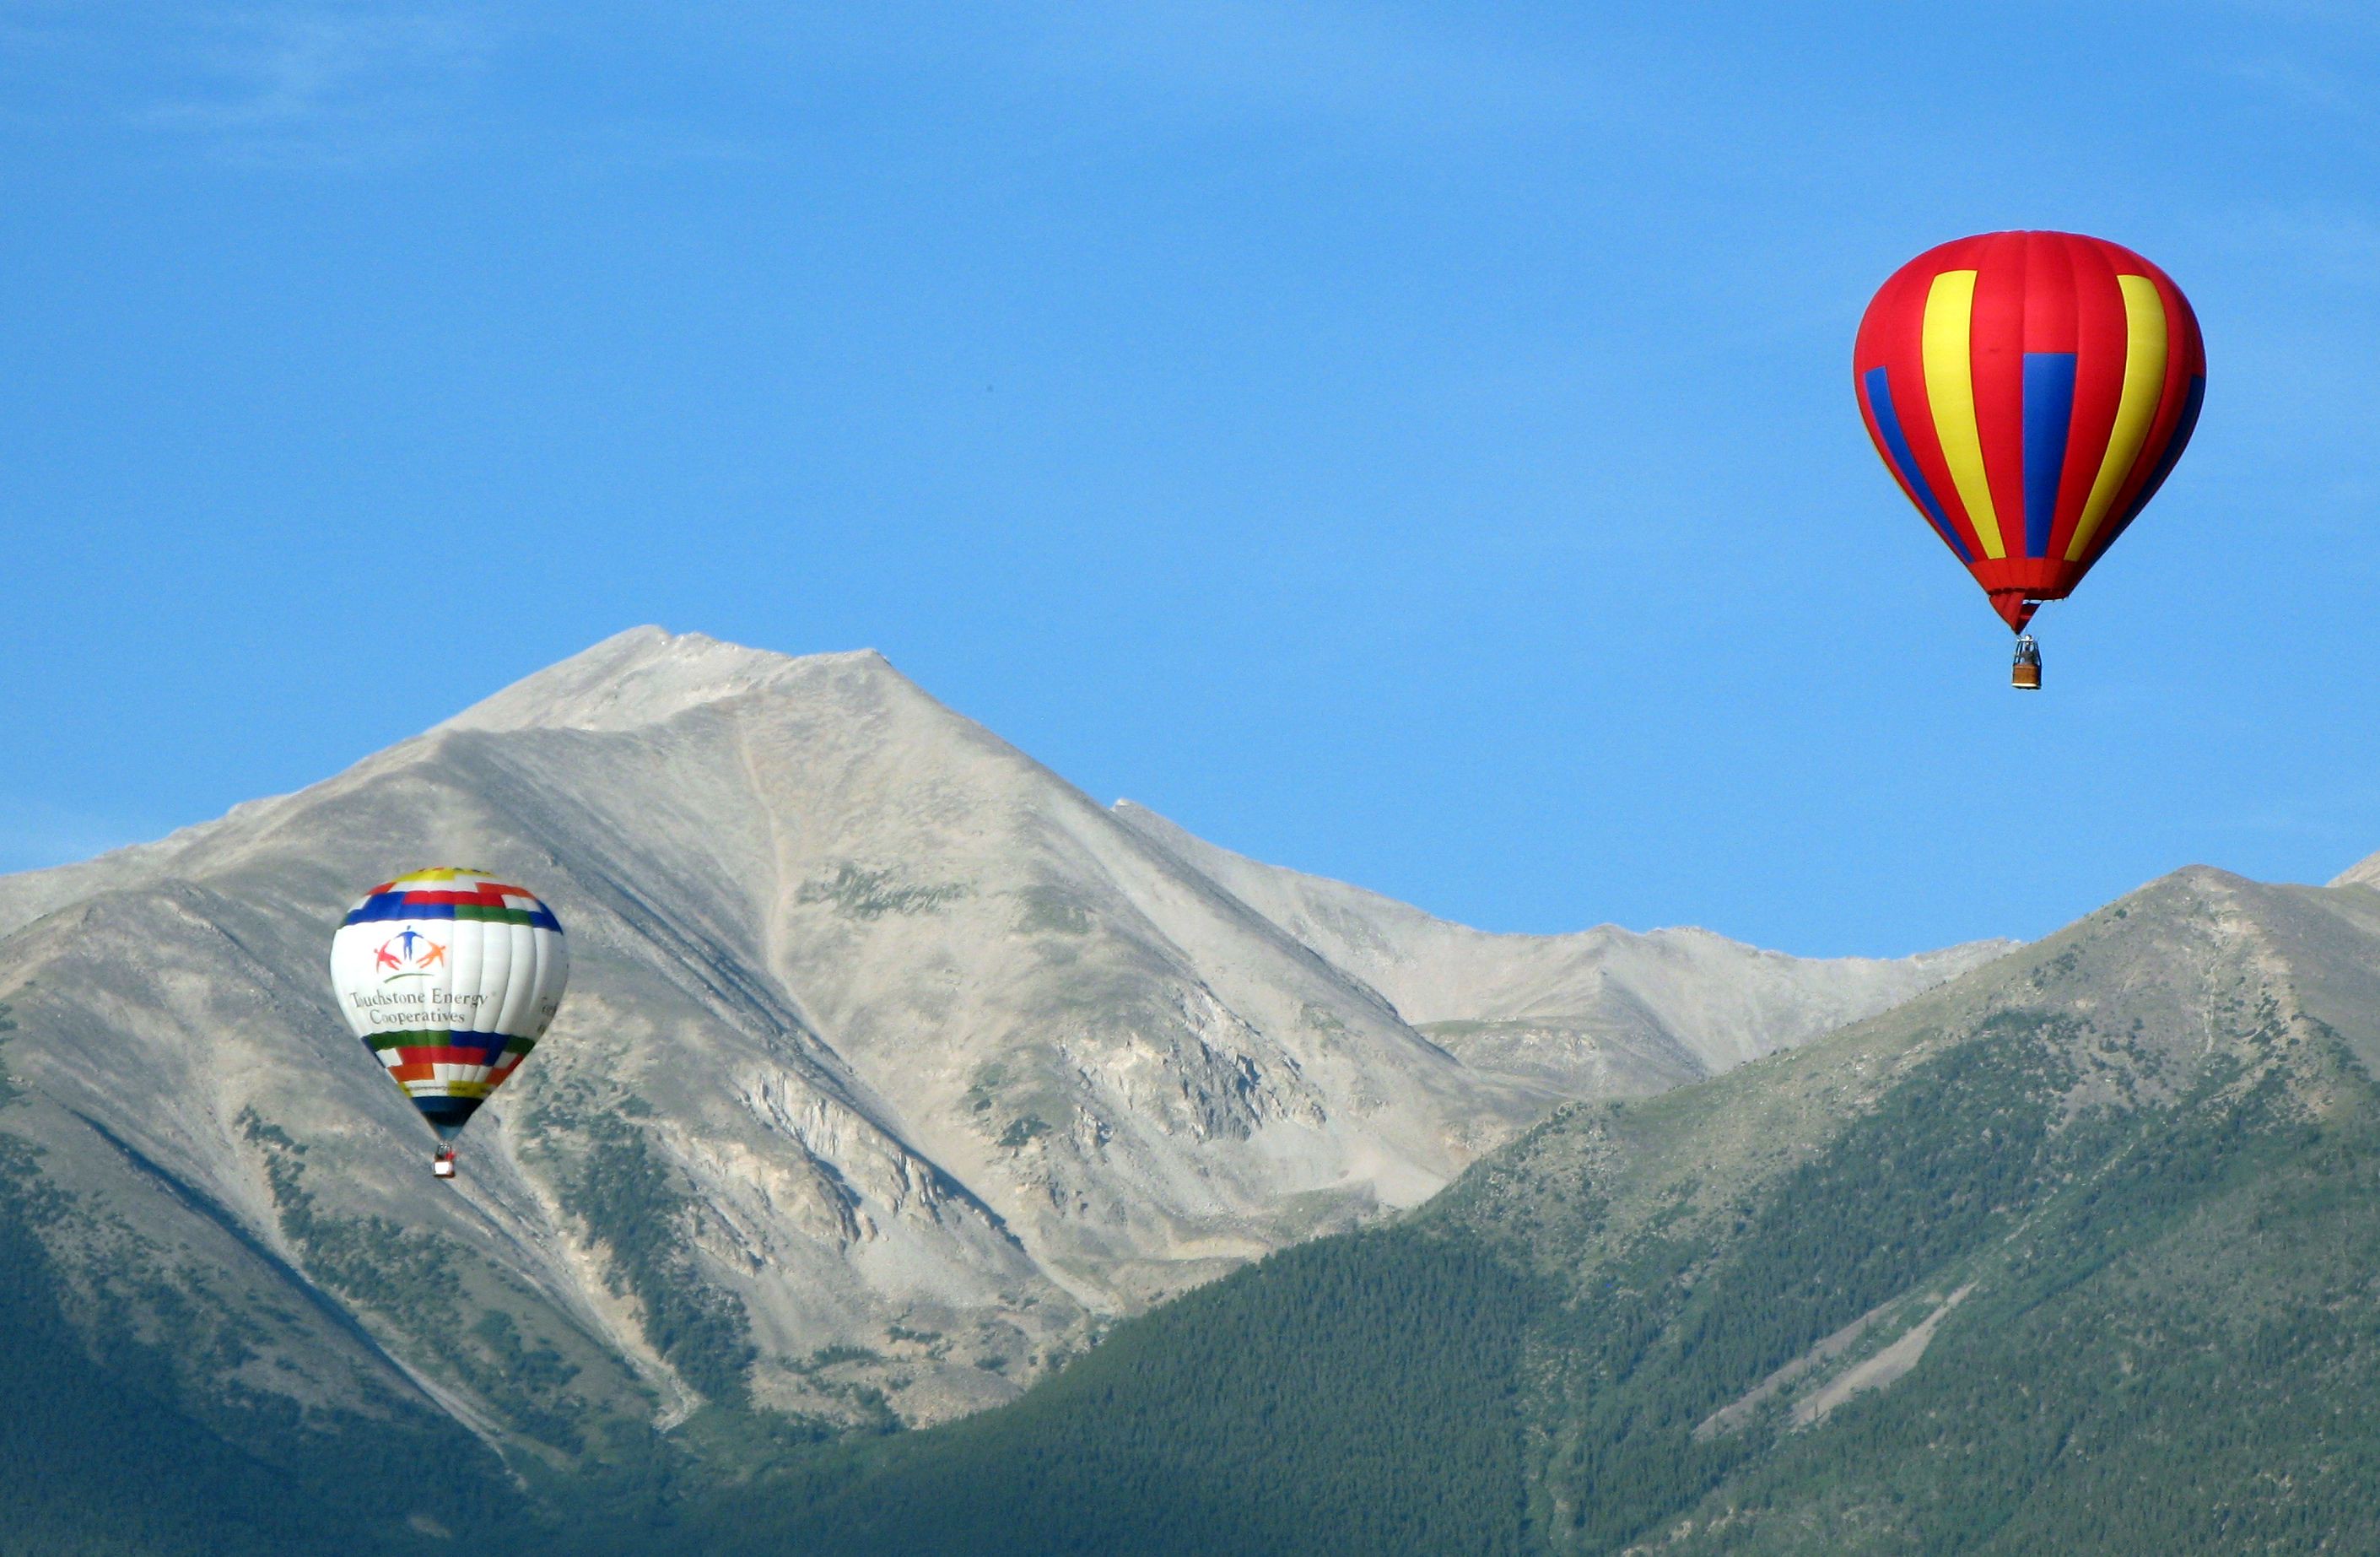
point(892, 1067)
point(646, 675)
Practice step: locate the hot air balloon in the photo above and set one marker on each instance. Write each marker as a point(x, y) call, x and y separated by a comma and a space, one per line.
point(2029, 392)
point(450, 977)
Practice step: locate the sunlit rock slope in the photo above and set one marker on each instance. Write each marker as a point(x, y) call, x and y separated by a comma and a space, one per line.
point(893, 1068)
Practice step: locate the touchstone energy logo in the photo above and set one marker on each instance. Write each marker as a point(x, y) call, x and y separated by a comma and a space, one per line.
point(407, 955)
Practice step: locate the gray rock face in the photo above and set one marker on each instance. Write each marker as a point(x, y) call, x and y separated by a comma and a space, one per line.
point(2364, 873)
point(1601, 1012)
point(892, 1067)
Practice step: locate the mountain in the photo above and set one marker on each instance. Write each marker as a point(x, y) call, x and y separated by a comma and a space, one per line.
point(1601, 1013)
point(894, 1070)
point(2074, 1253)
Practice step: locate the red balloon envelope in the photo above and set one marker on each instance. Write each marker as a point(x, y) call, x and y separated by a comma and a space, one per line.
point(2029, 392)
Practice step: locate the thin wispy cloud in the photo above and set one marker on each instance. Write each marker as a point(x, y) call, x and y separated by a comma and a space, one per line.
point(339, 82)
point(1363, 65)
point(2308, 56)
point(354, 82)
point(2299, 83)
point(2334, 242)
point(2352, 16)
point(329, 82)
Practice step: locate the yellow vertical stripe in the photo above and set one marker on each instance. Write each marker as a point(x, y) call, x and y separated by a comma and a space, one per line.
point(1951, 392)
point(2144, 350)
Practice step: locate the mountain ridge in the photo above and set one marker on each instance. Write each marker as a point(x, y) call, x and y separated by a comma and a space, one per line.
point(894, 1069)
point(2363, 872)
point(1559, 988)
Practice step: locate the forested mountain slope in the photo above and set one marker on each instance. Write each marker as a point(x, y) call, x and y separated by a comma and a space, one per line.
point(2074, 1255)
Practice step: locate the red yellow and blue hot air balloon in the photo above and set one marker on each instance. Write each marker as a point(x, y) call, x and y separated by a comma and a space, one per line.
point(2029, 392)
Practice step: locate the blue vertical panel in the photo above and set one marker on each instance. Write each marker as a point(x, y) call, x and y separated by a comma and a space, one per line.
point(2049, 413)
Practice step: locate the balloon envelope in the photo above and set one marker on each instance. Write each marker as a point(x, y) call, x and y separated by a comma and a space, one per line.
point(450, 977)
point(2029, 392)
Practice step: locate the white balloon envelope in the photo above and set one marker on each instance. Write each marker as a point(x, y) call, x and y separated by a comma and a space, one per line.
point(450, 977)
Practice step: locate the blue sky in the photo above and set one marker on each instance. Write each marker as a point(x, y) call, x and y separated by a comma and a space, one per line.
point(1412, 443)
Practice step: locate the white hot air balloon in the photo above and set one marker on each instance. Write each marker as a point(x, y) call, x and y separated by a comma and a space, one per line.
point(450, 977)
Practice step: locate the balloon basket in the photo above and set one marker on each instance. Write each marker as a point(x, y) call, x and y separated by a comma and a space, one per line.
point(2025, 675)
point(443, 1166)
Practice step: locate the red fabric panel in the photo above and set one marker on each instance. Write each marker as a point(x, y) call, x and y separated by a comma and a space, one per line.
point(2050, 303)
point(2103, 342)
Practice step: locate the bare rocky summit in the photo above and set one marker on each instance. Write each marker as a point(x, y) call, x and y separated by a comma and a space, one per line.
point(893, 1068)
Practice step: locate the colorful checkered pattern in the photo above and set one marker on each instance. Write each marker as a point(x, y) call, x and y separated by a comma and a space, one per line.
point(449, 976)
